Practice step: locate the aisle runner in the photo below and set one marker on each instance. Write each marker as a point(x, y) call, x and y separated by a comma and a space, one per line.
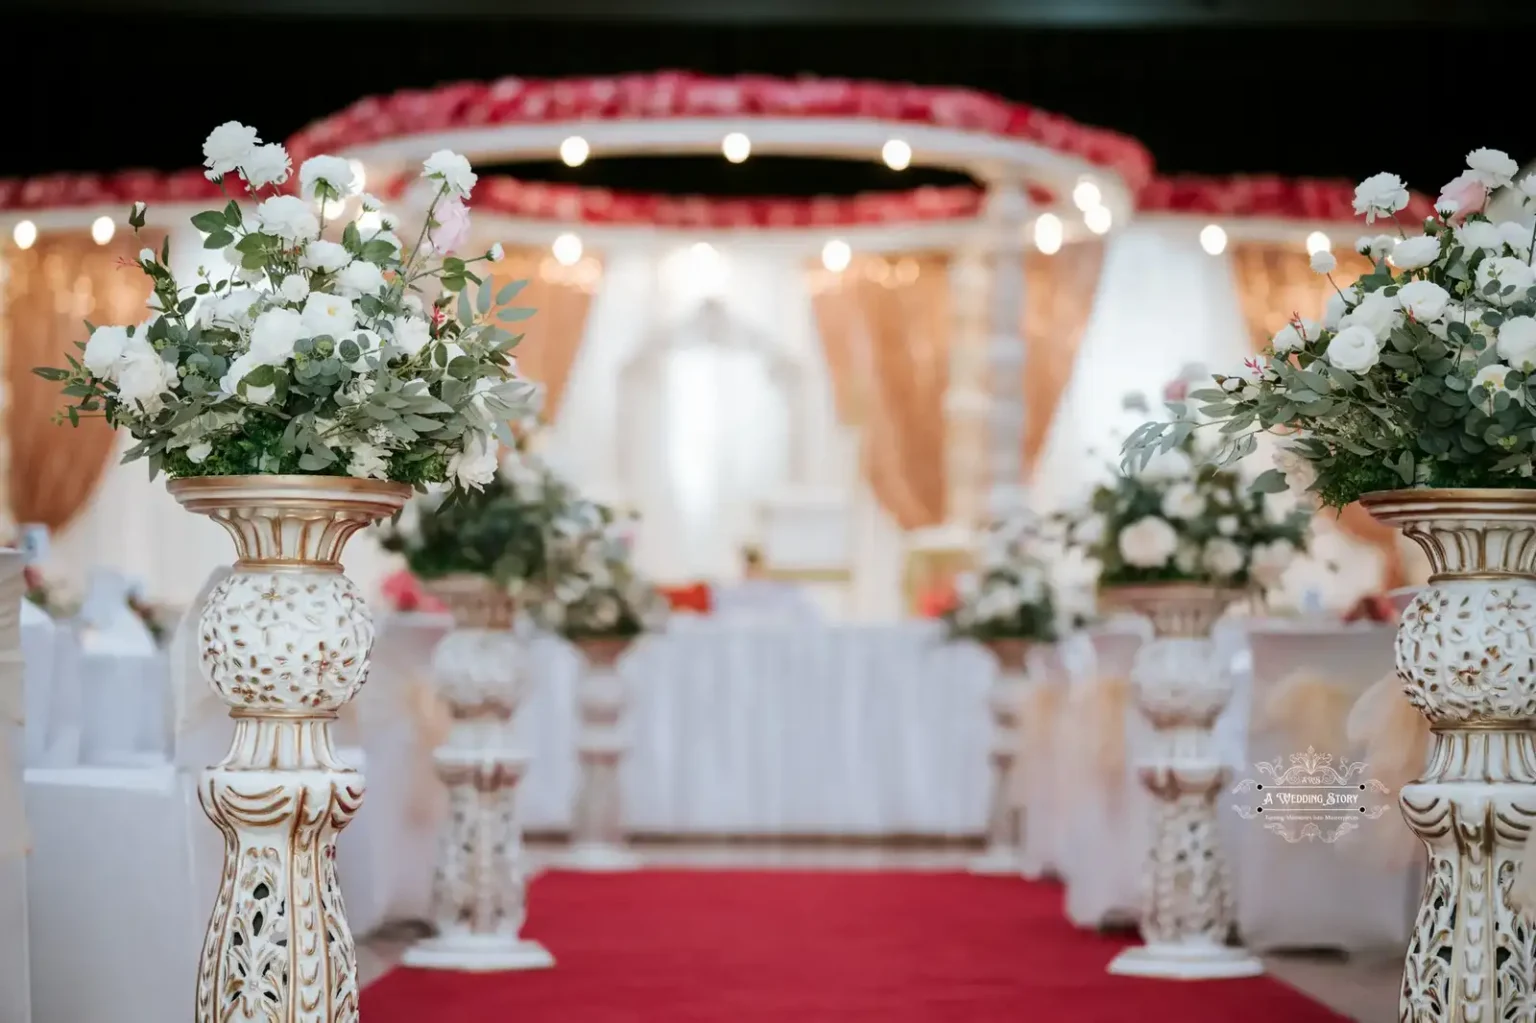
point(737, 947)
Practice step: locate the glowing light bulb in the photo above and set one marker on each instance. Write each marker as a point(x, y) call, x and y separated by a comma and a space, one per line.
point(102, 230)
point(567, 249)
point(1087, 195)
point(359, 176)
point(574, 151)
point(1048, 233)
point(896, 154)
point(736, 147)
point(24, 234)
point(1213, 239)
point(1098, 219)
point(1318, 242)
point(836, 255)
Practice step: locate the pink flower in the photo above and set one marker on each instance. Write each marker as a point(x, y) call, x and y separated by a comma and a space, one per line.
point(1176, 390)
point(1467, 193)
point(452, 229)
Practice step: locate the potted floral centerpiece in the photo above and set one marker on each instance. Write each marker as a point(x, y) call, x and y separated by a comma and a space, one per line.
point(1416, 395)
point(602, 605)
point(295, 394)
point(1008, 606)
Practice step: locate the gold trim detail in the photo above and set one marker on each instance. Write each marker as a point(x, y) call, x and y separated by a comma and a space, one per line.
point(1187, 610)
point(808, 575)
point(1466, 534)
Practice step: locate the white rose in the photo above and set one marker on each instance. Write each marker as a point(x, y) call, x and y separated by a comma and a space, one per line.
point(1491, 167)
point(227, 146)
point(368, 461)
point(1517, 237)
point(1517, 342)
point(1270, 560)
point(273, 336)
point(1376, 313)
point(288, 217)
point(1223, 558)
point(1148, 542)
point(328, 315)
point(104, 351)
point(1509, 272)
point(295, 288)
point(144, 377)
point(1380, 194)
point(266, 165)
point(410, 335)
point(199, 452)
point(359, 278)
point(1414, 253)
point(1425, 301)
point(1375, 249)
point(324, 256)
point(1183, 501)
point(1356, 349)
point(1491, 377)
point(1172, 464)
point(1323, 262)
point(333, 170)
point(1089, 531)
point(1334, 311)
point(1290, 339)
point(475, 466)
point(1479, 234)
point(1226, 525)
point(452, 170)
point(496, 254)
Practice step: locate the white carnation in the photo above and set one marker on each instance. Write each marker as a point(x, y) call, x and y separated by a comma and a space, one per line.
point(228, 146)
point(409, 334)
point(1323, 262)
point(288, 217)
point(144, 377)
point(452, 170)
point(1380, 195)
point(359, 278)
point(326, 257)
point(265, 165)
point(1415, 253)
point(333, 170)
point(104, 351)
point(1148, 542)
point(1356, 349)
point(1517, 342)
point(294, 288)
point(328, 315)
point(1425, 301)
point(1492, 167)
point(1223, 558)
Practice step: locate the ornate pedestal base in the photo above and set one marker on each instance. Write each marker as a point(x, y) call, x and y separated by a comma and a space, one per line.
point(480, 889)
point(597, 831)
point(285, 642)
point(1004, 821)
point(1181, 689)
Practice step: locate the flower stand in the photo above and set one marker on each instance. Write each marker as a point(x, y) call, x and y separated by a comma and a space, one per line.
point(479, 891)
point(1181, 688)
point(1466, 654)
point(1004, 820)
point(285, 642)
point(597, 830)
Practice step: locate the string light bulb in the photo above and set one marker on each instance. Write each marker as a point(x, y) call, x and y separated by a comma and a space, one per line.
point(1086, 196)
point(567, 250)
point(1213, 239)
point(1098, 219)
point(896, 154)
point(836, 255)
point(102, 230)
point(736, 147)
point(24, 234)
point(1048, 233)
point(1318, 242)
point(574, 151)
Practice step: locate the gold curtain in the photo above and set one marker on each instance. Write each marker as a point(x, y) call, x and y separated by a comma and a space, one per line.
point(561, 297)
point(1276, 283)
point(1058, 296)
point(51, 289)
point(885, 323)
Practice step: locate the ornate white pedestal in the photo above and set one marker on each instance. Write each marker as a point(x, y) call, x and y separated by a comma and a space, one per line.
point(1181, 689)
point(285, 642)
point(1466, 652)
point(1004, 822)
point(597, 830)
point(479, 893)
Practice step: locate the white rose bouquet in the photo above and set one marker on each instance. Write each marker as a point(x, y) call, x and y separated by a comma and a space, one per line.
point(1421, 373)
point(316, 348)
point(1174, 522)
point(1010, 597)
point(597, 593)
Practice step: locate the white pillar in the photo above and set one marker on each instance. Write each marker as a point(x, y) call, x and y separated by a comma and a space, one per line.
point(597, 829)
point(1005, 823)
point(966, 400)
point(1006, 212)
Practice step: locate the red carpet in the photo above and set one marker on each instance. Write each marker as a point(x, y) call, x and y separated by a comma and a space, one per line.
point(790, 947)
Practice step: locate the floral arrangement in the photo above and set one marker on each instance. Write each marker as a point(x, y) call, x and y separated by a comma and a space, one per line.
point(322, 343)
point(597, 593)
point(1421, 373)
point(1172, 521)
point(1010, 595)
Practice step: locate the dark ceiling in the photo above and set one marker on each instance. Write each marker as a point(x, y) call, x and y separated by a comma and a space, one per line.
point(1210, 86)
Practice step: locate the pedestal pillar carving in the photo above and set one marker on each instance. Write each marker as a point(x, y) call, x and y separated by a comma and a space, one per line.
point(1466, 654)
point(285, 642)
point(1181, 688)
point(1005, 823)
point(597, 825)
point(479, 891)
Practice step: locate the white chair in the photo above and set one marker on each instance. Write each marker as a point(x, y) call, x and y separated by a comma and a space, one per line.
point(1108, 829)
point(807, 543)
point(1316, 894)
